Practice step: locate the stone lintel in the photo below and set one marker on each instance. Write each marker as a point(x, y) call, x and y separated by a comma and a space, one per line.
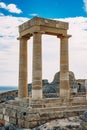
point(62, 36)
point(45, 22)
point(41, 24)
point(43, 30)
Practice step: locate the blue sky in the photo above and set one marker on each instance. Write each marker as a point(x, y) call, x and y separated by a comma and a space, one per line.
point(48, 8)
point(15, 12)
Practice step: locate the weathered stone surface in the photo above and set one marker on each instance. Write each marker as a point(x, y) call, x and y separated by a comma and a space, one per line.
point(37, 66)
point(71, 123)
point(84, 125)
point(72, 81)
point(31, 117)
point(1, 116)
point(6, 118)
point(39, 27)
point(21, 123)
point(35, 117)
point(11, 112)
point(7, 98)
point(1, 110)
point(21, 115)
point(23, 90)
point(13, 93)
point(33, 124)
point(45, 25)
point(51, 90)
point(13, 120)
point(84, 116)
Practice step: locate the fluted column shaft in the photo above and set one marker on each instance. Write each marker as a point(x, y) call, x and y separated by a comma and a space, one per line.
point(37, 66)
point(23, 87)
point(64, 68)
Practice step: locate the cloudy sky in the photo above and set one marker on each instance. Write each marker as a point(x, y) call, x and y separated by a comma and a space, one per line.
point(15, 12)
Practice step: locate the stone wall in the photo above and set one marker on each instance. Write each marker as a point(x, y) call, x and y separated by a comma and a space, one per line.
point(24, 114)
point(23, 118)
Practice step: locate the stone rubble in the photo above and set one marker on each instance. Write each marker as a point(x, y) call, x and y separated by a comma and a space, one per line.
point(71, 123)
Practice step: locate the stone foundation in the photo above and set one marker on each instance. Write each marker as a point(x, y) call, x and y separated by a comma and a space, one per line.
point(32, 113)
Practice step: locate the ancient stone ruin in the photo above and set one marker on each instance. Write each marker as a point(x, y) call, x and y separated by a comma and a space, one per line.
point(35, 28)
point(31, 111)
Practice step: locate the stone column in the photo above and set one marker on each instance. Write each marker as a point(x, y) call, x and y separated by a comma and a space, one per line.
point(86, 87)
point(37, 66)
point(64, 68)
point(23, 87)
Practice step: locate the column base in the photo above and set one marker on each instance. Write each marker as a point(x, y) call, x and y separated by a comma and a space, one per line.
point(22, 99)
point(36, 94)
point(65, 93)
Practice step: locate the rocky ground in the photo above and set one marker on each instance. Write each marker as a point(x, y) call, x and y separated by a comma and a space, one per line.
point(71, 123)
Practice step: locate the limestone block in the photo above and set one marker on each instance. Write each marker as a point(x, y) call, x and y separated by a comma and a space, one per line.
point(71, 114)
point(6, 118)
point(55, 115)
point(22, 115)
point(7, 111)
point(13, 113)
point(1, 116)
point(4, 111)
point(19, 115)
point(44, 116)
point(84, 125)
point(41, 22)
point(33, 124)
point(10, 112)
point(59, 115)
point(21, 123)
point(24, 104)
point(27, 124)
point(13, 120)
point(33, 117)
point(1, 110)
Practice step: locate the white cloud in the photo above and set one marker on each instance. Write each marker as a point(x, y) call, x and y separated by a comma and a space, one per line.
point(9, 50)
point(10, 7)
point(85, 5)
point(13, 9)
point(1, 14)
point(2, 5)
point(78, 46)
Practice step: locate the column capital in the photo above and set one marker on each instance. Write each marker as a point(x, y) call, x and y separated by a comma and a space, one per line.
point(23, 37)
point(64, 36)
